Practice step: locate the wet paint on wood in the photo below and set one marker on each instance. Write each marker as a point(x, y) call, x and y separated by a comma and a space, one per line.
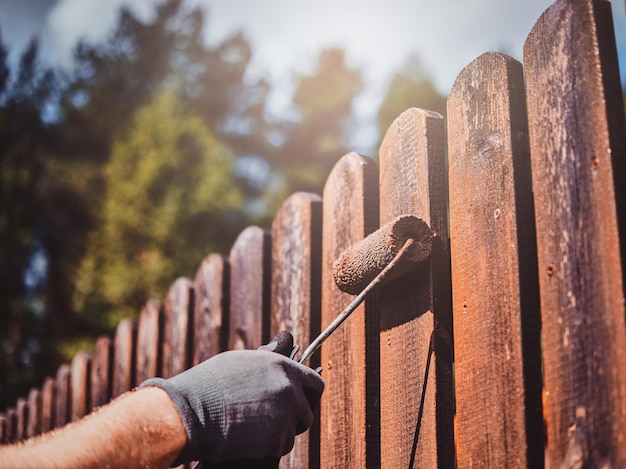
point(415, 313)
point(62, 396)
point(80, 389)
point(101, 367)
point(33, 425)
point(177, 329)
point(48, 397)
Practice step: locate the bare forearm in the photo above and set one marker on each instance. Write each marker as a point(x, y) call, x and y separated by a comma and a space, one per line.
point(139, 429)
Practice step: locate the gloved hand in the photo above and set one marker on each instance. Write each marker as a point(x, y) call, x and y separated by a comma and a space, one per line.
point(243, 404)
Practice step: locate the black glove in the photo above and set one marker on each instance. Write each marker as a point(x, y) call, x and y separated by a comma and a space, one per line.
point(243, 404)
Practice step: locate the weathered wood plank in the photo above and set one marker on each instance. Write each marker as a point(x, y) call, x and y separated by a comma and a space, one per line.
point(494, 269)
point(416, 324)
point(349, 408)
point(149, 333)
point(4, 437)
point(62, 398)
point(11, 423)
point(21, 411)
point(573, 148)
point(80, 386)
point(296, 269)
point(33, 425)
point(100, 373)
point(124, 358)
point(48, 399)
point(211, 308)
point(250, 264)
point(177, 327)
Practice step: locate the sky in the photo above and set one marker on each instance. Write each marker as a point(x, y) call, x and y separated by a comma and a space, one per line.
point(286, 35)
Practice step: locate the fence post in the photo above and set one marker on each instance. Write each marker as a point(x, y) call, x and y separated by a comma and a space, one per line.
point(575, 150)
point(80, 386)
point(350, 405)
point(21, 410)
point(211, 308)
point(417, 405)
point(123, 358)
point(494, 269)
point(62, 397)
point(100, 373)
point(250, 264)
point(296, 264)
point(48, 396)
point(149, 333)
point(33, 425)
point(177, 327)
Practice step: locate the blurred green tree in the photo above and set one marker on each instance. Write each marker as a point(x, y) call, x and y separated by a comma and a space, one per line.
point(170, 200)
point(313, 142)
point(409, 87)
point(24, 138)
point(111, 81)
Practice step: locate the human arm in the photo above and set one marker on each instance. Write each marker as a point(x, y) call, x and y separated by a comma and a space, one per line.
point(139, 429)
point(245, 404)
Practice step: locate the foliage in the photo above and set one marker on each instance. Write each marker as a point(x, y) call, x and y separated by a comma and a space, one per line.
point(409, 87)
point(170, 201)
point(23, 141)
point(319, 136)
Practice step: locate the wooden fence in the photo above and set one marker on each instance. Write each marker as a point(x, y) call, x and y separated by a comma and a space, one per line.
point(507, 349)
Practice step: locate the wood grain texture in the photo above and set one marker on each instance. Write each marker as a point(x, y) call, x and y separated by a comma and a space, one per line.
point(124, 358)
point(21, 411)
point(250, 271)
point(211, 308)
point(3, 430)
point(573, 148)
point(149, 332)
point(80, 386)
point(100, 373)
point(33, 425)
point(349, 407)
point(415, 337)
point(177, 327)
point(11, 425)
point(494, 268)
point(48, 396)
point(296, 270)
point(62, 397)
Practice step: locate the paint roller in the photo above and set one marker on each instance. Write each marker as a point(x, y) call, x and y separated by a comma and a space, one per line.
point(386, 254)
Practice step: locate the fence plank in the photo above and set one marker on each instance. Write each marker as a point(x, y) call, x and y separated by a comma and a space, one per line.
point(48, 394)
point(62, 398)
point(211, 308)
point(80, 386)
point(416, 352)
point(349, 408)
point(177, 327)
point(581, 279)
point(296, 265)
point(124, 358)
point(4, 437)
point(148, 341)
point(33, 425)
point(21, 410)
point(494, 269)
point(100, 373)
point(250, 264)
point(11, 424)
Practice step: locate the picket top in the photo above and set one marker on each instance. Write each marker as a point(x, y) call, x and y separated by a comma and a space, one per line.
point(211, 307)
point(149, 336)
point(124, 344)
point(250, 264)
